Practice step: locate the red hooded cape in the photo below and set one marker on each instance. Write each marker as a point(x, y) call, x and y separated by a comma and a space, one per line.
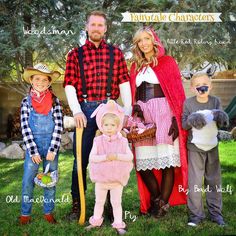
point(169, 77)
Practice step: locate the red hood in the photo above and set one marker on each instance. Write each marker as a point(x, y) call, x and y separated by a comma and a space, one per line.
point(169, 77)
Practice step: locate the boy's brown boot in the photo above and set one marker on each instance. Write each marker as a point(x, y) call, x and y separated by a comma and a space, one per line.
point(50, 218)
point(24, 220)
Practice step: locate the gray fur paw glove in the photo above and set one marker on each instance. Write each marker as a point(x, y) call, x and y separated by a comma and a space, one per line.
point(196, 120)
point(221, 118)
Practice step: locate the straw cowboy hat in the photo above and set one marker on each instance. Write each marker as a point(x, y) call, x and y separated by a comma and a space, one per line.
point(40, 69)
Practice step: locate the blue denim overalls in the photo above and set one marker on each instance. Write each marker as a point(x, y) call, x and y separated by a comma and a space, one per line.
point(42, 127)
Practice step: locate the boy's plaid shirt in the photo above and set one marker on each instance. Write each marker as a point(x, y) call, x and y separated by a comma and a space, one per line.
point(28, 137)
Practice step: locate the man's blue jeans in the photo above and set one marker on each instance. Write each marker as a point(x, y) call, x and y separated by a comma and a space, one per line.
point(87, 143)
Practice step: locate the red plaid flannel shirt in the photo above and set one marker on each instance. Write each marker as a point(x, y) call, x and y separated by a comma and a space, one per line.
point(96, 67)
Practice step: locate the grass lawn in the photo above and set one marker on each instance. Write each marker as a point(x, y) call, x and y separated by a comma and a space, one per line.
point(174, 223)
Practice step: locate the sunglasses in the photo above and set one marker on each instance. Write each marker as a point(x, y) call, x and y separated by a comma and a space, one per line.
point(202, 89)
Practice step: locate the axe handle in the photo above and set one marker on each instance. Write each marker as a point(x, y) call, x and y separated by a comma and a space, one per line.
point(79, 133)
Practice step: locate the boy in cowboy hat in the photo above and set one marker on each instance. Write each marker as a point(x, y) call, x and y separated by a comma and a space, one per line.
point(41, 124)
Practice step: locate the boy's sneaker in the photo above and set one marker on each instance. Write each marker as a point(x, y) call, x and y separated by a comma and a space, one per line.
point(192, 224)
point(50, 218)
point(24, 220)
point(221, 222)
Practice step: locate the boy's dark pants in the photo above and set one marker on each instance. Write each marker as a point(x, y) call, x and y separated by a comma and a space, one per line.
point(207, 165)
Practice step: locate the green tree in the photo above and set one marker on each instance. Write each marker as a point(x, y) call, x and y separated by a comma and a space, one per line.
point(21, 43)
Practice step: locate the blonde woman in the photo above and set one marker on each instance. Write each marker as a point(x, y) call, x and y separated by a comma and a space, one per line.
point(161, 162)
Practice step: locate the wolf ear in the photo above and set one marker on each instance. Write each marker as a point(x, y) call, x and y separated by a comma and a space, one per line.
point(96, 110)
point(187, 74)
point(211, 71)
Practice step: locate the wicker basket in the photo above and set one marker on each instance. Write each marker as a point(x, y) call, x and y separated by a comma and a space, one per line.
point(134, 137)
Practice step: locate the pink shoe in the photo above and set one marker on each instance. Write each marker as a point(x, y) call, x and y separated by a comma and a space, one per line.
point(90, 227)
point(121, 231)
point(95, 222)
point(120, 228)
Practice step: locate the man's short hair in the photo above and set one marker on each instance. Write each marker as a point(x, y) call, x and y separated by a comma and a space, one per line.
point(96, 13)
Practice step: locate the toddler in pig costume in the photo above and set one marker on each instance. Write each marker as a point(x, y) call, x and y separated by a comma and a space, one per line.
point(110, 163)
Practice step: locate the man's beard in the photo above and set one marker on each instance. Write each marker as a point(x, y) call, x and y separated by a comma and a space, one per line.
point(96, 38)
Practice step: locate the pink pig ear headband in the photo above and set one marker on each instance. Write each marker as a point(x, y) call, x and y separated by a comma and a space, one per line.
point(110, 107)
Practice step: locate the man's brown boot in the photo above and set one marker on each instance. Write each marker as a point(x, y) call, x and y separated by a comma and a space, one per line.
point(74, 214)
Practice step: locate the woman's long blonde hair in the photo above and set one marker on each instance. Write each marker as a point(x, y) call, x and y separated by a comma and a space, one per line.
point(138, 55)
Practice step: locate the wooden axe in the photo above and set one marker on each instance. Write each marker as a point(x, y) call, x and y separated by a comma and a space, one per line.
point(69, 123)
point(79, 133)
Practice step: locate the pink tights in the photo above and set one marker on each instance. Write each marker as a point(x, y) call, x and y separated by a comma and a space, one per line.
point(101, 194)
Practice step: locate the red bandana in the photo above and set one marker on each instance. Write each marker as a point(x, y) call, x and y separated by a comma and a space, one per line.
point(41, 102)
